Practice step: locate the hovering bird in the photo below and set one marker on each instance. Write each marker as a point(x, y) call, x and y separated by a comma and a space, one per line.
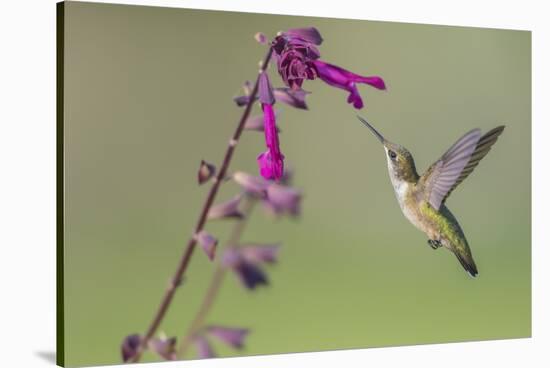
point(422, 198)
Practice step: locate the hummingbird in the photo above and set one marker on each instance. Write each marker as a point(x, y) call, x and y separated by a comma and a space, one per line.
point(422, 198)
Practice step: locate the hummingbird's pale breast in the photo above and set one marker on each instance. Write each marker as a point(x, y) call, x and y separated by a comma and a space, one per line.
point(405, 192)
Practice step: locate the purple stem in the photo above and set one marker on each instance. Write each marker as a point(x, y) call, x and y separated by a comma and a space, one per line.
point(175, 281)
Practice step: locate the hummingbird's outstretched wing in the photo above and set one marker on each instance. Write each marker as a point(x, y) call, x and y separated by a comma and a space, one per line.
point(456, 164)
point(482, 148)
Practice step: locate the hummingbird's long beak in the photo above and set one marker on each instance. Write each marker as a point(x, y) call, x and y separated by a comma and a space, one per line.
point(378, 135)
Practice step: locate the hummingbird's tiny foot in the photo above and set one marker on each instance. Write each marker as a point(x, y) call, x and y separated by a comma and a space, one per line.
point(434, 244)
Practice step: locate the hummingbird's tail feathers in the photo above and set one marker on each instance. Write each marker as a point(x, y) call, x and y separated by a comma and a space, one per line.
point(467, 262)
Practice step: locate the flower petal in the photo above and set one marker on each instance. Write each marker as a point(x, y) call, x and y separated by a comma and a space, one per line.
point(265, 90)
point(251, 184)
point(227, 209)
point(284, 199)
point(354, 97)
point(261, 38)
point(294, 61)
point(270, 169)
point(231, 257)
point(208, 243)
point(340, 77)
point(271, 162)
point(204, 350)
point(241, 100)
point(206, 172)
point(374, 81)
point(260, 253)
point(248, 273)
point(309, 34)
point(344, 79)
point(129, 347)
point(270, 130)
point(293, 97)
point(233, 337)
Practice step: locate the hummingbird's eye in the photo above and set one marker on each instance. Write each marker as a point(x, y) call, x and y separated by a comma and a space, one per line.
point(392, 154)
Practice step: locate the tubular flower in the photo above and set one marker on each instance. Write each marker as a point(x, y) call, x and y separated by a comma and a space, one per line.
point(270, 162)
point(297, 59)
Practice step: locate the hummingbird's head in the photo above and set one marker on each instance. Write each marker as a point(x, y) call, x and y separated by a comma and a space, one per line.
point(400, 161)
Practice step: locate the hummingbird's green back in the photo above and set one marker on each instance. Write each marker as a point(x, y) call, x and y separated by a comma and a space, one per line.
point(450, 233)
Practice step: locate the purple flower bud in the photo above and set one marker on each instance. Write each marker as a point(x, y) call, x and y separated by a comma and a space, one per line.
point(206, 172)
point(282, 199)
point(208, 243)
point(293, 97)
point(260, 253)
point(227, 209)
point(129, 347)
point(309, 34)
point(164, 347)
point(344, 79)
point(251, 184)
point(233, 337)
point(204, 350)
point(261, 38)
point(241, 100)
point(249, 274)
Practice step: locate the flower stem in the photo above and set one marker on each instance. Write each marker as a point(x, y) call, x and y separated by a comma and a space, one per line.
point(216, 281)
point(176, 279)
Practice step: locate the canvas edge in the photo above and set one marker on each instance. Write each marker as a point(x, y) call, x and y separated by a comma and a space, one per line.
point(60, 300)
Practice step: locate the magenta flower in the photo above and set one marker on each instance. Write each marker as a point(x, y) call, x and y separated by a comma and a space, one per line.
point(270, 162)
point(344, 79)
point(295, 51)
point(298, 59)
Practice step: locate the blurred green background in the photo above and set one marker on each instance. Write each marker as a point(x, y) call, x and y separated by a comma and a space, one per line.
point(148, 94)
